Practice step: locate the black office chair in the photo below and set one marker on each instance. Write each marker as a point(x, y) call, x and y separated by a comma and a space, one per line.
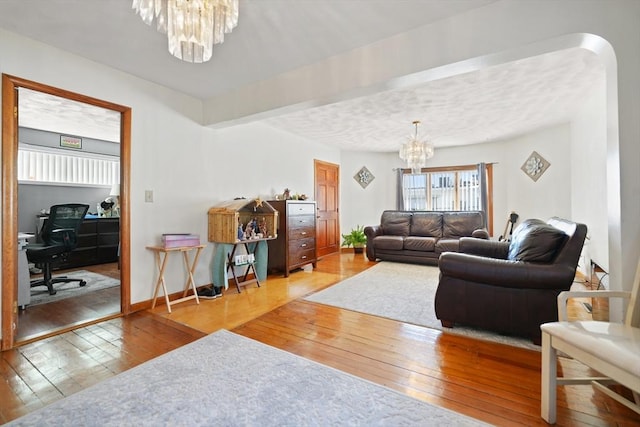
point(59, 236)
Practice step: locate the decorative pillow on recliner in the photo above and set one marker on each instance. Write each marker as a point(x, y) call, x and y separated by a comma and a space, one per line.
point(535, 241)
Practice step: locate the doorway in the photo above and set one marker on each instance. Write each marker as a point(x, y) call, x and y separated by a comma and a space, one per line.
point(11, 330)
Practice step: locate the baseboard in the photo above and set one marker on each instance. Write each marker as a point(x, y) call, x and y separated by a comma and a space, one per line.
point(146, 305)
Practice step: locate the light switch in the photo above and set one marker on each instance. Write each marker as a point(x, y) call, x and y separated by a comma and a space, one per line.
point(148, 196)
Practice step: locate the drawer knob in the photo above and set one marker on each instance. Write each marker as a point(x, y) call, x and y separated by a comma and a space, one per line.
point(304, 257)
point(304, 233)
point(304, 245)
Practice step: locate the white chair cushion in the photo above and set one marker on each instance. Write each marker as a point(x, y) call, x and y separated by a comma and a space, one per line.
point(613, 343)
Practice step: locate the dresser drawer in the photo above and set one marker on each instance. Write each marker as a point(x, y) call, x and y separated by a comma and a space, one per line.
point(301, 221)
point(301, 244)
point(301, 209)
point(302, 256)
point(301, 233)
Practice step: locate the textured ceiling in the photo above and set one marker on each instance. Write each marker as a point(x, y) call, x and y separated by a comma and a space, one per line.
point(275, 36)
point(41, 111)
point(493, 103)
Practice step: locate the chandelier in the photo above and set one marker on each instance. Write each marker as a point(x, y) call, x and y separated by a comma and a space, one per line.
point(416, 152)
point(192, 26)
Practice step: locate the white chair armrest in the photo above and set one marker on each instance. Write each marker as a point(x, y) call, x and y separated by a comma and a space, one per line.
point(565, 295)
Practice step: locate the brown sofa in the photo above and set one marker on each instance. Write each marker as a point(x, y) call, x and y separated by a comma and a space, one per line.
point(421, 236)
point(510, 287)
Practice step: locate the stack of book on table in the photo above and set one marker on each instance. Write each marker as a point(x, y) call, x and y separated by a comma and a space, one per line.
point(178, 240)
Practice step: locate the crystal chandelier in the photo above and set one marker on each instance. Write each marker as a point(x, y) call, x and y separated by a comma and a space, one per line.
point(192, 26)
point(416, 152)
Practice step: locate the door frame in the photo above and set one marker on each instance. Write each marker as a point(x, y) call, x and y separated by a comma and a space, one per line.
point(9, 306)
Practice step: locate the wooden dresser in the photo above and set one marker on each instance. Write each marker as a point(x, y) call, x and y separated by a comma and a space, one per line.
point(296, 242)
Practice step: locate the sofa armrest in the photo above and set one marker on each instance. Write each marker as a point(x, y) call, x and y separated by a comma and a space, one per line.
point(486, 248)
point(481, 233)
point(371, 231)
point(565, 295)
point(505, 273)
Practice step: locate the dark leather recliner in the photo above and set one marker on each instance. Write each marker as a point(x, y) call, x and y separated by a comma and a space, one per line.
point(510, 287)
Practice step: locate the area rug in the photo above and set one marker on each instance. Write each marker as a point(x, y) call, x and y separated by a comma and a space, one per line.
point(403, 292)
point(228, 380)
point(95, 281)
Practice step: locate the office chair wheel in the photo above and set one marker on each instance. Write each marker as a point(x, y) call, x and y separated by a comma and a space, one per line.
point(83, 283)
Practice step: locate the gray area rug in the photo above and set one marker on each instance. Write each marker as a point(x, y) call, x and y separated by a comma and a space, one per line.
point(225, 379)
point(403, 292)
point(95, 281)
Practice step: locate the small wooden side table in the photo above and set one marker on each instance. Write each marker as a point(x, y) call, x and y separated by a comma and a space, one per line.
point(161, 254)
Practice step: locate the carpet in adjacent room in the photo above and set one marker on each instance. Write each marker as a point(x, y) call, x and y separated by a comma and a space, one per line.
point(95, 282)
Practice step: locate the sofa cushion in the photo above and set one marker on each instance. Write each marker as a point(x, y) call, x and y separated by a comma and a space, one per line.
point(396, 223)
point(426, 224)
point(535, 241)
point(461, 224)
point(447, 245)
point(416, 243)
point(388, 242)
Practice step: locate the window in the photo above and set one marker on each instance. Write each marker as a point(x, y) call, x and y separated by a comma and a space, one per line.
point(40, 165)
point(445, 189)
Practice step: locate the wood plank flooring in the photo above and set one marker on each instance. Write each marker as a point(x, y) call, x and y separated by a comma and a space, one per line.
point(42, 372)
point(491, 382)
point(36, 321)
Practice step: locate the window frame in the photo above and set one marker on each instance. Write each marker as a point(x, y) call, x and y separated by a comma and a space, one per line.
point(456, 169)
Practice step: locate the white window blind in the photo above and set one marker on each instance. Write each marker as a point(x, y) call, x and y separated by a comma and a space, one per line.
point(452, 190)
point(47, 165)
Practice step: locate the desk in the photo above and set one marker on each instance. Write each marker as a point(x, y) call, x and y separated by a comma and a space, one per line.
point(161, 254)
point(98, 242)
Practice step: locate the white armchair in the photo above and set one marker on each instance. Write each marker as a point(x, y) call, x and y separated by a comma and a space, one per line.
point(612, 349)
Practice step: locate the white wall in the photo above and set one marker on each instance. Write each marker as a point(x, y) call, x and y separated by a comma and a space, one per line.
point(209, 167)
point(363, 206)
point(187, 166)
point(513, 190)
point(589, 198)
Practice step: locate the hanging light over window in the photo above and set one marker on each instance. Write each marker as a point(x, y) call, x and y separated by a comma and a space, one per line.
point(192, 26)
point(416, 152)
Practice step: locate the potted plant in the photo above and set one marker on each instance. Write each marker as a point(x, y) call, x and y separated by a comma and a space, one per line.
point(355, 238)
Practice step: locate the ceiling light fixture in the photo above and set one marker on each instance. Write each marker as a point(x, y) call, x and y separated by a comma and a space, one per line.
point(192, 26)
point(416, 152)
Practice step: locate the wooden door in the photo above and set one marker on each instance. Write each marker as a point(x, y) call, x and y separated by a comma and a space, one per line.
point(327, 183)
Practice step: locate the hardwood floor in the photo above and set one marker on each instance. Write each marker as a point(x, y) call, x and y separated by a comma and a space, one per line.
point(42, 372)
point(36, 321)
point(491, 382)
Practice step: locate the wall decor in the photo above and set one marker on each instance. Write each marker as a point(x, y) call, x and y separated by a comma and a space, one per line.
point(535, 166)
point(70, 142)
point(364, 177)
